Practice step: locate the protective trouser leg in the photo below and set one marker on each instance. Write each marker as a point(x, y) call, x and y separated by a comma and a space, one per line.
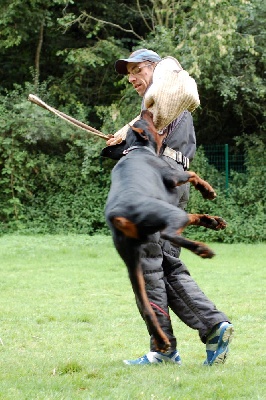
point(186, 299)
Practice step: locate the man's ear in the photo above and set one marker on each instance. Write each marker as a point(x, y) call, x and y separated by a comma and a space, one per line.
point(140, 132)
point(114, 152)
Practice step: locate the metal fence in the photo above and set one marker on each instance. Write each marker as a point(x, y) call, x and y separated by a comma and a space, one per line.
point(226, 159)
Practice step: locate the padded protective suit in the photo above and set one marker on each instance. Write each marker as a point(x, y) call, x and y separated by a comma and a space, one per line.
point(168, 281)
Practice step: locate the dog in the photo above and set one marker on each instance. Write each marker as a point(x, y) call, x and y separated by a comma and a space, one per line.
point(141, 202)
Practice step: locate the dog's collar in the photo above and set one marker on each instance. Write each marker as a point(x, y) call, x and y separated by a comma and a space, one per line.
point(137, 147)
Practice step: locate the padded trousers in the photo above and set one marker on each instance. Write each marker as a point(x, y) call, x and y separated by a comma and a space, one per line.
point(170, 285)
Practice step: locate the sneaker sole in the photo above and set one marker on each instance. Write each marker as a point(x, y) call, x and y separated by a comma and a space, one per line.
point(155, 358)
point(222, 350)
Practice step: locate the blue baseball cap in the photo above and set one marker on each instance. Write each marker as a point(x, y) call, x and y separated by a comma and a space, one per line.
point(136, 57)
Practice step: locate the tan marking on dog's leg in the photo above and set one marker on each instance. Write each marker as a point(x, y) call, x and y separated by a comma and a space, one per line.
point(204, 187)
point(128, 228)
point(208, 221)
point(161, 340)
point(194, 219)
point(205, 220)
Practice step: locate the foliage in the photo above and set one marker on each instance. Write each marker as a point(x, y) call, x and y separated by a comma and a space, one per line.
point(53, 180)
point(231, 88)
point(51, 177)
point(243, 206)
point(64, 52)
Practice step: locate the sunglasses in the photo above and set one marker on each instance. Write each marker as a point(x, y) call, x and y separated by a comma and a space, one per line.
point(136, 70)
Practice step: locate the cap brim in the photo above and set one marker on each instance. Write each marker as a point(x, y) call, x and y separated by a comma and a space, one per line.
point(121, 65)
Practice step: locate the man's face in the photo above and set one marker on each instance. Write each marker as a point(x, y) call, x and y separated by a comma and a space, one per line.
point(140, 75)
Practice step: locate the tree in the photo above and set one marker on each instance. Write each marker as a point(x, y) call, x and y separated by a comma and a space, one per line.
point(65, 50)
point(24, 26)
point(219, 44)
point(221, 50)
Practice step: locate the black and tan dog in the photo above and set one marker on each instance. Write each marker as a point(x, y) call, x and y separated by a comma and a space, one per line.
point(140, 203)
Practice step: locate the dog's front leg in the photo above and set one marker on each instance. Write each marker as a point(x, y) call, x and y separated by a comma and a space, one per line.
point(203, 186)
point(177, 178)
point(207, 221)
point(199, 248)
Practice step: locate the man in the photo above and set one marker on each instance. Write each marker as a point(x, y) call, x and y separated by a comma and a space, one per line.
point(168, 281)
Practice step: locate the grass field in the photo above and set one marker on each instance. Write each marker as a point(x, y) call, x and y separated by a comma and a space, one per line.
point(68, 319)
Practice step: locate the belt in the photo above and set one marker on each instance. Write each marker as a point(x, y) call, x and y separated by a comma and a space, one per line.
point(177, 156)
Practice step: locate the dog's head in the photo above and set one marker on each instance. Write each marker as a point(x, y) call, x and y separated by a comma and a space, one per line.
point(141, 133)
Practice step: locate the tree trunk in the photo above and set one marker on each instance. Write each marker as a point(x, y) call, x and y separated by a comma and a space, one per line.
point(37, 58)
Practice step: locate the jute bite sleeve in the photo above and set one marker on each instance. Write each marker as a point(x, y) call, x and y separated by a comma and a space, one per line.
point(172, 91)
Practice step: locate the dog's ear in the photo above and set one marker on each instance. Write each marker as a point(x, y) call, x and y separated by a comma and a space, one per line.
point(141, 132)
point(147, 116)
point(114, 152)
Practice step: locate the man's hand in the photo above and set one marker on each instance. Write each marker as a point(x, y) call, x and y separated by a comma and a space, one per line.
point(113, 140)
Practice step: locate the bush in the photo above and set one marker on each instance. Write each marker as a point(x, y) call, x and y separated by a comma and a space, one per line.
point(51, 180)
point(243, 206)
point(54, 181)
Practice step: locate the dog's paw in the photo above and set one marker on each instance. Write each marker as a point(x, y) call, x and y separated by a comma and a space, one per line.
point(162, 345)
point(204, 251)
point(221, 223)
point(208, 194)
point(213, 222)
point(206, 190)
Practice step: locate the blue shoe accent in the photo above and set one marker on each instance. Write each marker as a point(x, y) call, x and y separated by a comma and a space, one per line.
point(155, 357)
point(217, 345)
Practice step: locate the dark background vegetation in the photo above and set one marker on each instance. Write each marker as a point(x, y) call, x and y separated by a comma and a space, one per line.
point(51, 176)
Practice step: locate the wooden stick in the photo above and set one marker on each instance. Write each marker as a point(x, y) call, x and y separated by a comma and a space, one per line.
point(73, 121)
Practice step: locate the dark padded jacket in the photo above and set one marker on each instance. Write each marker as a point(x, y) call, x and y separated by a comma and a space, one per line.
point(181, 136)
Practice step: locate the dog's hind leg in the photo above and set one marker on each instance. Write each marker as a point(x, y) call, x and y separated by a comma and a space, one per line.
point(127, 227)
point(129, 250)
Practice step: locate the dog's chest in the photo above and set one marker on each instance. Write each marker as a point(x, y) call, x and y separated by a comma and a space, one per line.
point(139, 174)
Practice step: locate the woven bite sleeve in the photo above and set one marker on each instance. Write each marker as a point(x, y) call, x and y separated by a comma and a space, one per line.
point(173, 91)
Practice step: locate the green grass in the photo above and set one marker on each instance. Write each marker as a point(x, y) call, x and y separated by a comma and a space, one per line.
point(68, 318)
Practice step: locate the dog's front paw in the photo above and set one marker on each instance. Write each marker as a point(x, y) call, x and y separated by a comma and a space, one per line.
point(213, 222)
point(221, 223)
point(203, 251)
point(206, 190)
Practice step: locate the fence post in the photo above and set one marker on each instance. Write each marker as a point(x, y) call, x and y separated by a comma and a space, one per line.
point(226, 152)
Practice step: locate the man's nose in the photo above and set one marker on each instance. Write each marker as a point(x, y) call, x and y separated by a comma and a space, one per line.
point(131, 78)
